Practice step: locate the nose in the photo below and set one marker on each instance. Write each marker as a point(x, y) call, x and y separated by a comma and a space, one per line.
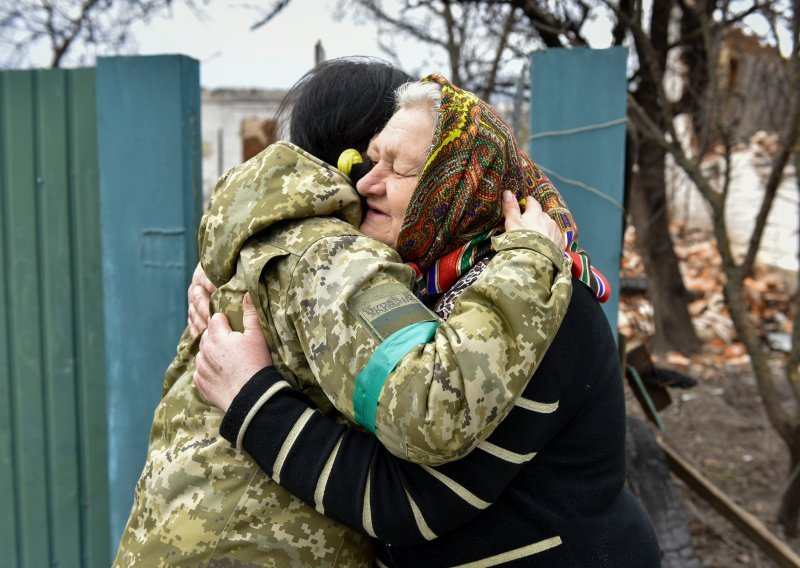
point(371, 184)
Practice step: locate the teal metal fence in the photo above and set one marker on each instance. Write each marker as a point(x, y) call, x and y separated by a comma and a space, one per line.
point(578, 109)
point(85, 333)
point(52, 403)
point(148, 112)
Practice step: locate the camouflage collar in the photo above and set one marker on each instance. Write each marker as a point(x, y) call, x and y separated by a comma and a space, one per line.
point(281, 183)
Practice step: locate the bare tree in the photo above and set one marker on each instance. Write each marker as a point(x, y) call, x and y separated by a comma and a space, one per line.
point(64, 27)
point(88, 27)
point(706, 98)
point(485, 46)
point(647, 193)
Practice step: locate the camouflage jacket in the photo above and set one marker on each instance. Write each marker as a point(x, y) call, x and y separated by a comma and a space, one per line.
point(281, 227)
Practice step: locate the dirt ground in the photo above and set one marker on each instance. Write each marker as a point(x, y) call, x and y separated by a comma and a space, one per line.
point(719, 426)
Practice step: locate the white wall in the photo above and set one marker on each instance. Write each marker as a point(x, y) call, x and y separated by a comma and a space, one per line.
point(750, 168)
point(222, 114)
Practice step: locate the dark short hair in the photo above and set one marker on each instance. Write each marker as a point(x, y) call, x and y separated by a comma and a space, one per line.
point(341, 104)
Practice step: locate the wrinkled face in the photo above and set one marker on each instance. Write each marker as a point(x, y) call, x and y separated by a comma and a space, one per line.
point(398, 155)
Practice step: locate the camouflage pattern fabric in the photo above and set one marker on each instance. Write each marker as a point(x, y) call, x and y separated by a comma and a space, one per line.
point(327, 296)
point(200, 502)
point(447, 395)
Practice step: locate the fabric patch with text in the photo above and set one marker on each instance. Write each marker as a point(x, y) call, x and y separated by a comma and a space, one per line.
point(388, 308)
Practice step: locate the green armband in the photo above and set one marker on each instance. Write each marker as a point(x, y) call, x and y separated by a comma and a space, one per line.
point(370, 380)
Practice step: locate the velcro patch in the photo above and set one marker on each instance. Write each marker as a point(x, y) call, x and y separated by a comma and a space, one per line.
point(388, 308)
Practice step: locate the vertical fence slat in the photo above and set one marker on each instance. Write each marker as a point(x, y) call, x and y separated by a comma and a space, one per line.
point(53, 453)
point(8, 494)
point(23, 305)
point(191, 155)
point(584, 91)
point(88, 318)
point(147, 117)
point(56, 305)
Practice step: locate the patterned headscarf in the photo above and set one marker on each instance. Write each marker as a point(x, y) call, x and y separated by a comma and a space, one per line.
point(457, 203)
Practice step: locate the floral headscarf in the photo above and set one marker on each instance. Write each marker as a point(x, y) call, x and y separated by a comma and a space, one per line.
point(456, 205)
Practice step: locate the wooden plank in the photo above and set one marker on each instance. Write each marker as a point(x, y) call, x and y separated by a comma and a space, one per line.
point(56, 306)
point(87, 298)
point(749, 526)
point(147, 226)
point(578, 109)
point(8, 481)
point(25, 319)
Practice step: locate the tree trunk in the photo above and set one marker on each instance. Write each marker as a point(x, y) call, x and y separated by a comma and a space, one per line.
point(648, 207)
point(648, 199)
point(789, 510)
point(785, 422)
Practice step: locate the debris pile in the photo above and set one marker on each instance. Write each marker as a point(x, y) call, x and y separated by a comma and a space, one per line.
point(766, 292)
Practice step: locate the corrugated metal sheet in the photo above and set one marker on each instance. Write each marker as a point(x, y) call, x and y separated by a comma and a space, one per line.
point(53, 444)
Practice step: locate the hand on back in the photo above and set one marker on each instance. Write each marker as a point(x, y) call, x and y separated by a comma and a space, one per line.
point(228, 359)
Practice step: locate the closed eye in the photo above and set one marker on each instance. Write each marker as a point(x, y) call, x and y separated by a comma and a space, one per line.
point(407, 174)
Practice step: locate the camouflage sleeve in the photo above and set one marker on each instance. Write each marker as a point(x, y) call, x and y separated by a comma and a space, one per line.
point(484, 355)
point(453, 381)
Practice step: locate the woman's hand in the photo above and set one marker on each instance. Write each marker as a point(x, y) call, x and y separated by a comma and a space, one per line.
point(533, 219)
point(228, 359)
point(199, 295)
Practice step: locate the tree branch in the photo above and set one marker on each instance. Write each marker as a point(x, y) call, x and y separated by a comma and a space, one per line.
point(276, 9)
point(501, 47)
point(404, 26)
point(452, 46)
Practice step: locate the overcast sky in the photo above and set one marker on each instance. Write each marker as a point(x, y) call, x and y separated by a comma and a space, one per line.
point(275, 55)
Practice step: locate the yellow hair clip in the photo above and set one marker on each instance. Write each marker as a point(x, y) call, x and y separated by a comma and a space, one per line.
point(348, 159)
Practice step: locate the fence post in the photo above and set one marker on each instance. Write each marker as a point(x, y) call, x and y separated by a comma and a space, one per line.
point(148, 111)
point(578, 109)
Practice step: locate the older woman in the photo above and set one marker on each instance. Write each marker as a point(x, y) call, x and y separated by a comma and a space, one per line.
point(547, 487)
point(329, 299)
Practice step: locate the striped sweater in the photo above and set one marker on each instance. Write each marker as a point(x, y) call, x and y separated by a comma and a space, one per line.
point(545, 489)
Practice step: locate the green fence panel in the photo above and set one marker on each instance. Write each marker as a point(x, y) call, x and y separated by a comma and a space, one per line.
point(56, 304)
point(25, 330)
point(9, 514)
point(53, 444)
point(578, 106)
point(8, 526)
point(149, 145)
point(88, 318)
